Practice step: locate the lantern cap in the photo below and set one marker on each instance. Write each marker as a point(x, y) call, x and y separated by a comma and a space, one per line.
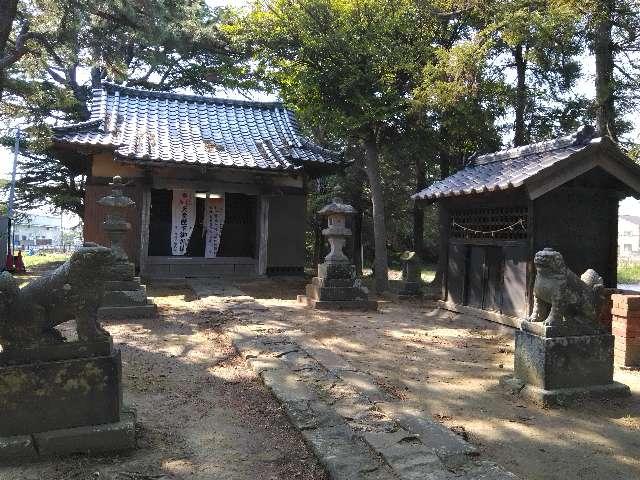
point(337, 206)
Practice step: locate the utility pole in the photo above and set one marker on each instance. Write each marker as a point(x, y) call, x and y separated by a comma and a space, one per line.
point(12, 191)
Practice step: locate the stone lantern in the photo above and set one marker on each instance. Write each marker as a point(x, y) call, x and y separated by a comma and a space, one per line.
point(124, 296)
point(336, 286)
point(115, 225)
point(336, 231)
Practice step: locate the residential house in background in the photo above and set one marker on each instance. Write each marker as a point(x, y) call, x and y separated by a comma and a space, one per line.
point(37, 232)
point(628, 237)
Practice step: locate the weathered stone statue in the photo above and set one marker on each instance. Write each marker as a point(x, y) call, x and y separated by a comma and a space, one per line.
point(563, 301)
point(72, 291)
point(336, 286)
point(58, 394)
point(562, 350)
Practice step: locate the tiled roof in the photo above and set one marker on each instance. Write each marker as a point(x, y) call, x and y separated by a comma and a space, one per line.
point(146, 126)
point(509, 168)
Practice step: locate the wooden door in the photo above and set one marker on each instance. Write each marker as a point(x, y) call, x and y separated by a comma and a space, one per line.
point(476, 276)
point(514, 288)
point(456, 273)
point(494, 279)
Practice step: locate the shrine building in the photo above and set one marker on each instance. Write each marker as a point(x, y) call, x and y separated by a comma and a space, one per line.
point(219, 185)
point(503, 207)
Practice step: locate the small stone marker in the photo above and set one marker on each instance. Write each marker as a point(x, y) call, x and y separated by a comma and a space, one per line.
point(336, 286)
point(411, 276)
point(562, 351)
point(60, 396)
point(125, 297)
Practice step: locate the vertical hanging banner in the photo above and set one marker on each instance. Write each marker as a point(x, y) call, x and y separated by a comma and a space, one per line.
point(214, 221)
point(183, 219)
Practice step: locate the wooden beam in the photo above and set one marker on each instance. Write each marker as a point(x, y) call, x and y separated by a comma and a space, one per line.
point(263, 228)
point(483, 314)
point(145, 216)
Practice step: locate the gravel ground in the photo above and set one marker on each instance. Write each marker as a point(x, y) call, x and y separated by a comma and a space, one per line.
point(203, 413)
point(449, 366)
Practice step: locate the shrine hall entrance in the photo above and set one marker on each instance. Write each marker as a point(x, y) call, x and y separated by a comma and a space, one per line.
point(236, 247)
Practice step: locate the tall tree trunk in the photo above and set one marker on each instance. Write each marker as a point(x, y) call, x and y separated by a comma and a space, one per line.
point(379, 225)
point(418, 210)
point(443, 223)
point(604, 53)
point(519, 127)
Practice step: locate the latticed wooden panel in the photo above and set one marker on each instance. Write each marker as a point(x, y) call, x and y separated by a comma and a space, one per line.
point(502, 223)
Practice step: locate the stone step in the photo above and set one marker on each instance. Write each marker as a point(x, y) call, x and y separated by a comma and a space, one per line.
point(125, 298)
point(124, 285)
point(365, 305)
point(149, 310)
point(339, 411)
point(332, 282)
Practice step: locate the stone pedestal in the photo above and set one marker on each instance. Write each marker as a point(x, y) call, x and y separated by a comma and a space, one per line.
point(411, 283)
point(336, 287)
point(54, 406)
point(557, 370)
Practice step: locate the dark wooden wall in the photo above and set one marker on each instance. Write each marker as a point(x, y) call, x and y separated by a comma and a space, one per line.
point(489, 272)
point(95, 214)
point(286, 247)
point(580, 220)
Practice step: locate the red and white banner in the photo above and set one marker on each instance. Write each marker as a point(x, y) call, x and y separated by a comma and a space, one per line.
point(213, 223)
point(183, 219)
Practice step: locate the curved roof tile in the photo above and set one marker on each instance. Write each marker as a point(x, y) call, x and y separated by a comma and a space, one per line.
point(145, 126)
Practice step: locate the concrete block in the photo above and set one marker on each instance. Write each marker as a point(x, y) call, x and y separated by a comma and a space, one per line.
point(628, 356)
point(124, 298)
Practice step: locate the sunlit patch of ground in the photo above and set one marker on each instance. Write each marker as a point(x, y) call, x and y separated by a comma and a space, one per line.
point(202, 412)
point(449, 366)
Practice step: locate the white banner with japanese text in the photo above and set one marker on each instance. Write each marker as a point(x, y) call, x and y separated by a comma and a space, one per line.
point(213, 223)
point(183, 219)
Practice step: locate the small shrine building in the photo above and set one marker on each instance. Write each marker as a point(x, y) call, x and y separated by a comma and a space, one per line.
point(219, 185)
point(505, 206)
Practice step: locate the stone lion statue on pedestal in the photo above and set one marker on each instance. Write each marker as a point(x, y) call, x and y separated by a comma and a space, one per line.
point(562, 299)
point(72, 291)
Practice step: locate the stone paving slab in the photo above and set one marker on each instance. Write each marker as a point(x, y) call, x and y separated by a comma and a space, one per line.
point(355, 429)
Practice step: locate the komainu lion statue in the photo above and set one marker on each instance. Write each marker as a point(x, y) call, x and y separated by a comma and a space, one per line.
point(562, 299)
point(72, 291)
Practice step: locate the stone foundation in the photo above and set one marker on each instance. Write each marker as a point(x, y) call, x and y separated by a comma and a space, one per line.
point(336, 288)
point(125, 297)
point(53, 406)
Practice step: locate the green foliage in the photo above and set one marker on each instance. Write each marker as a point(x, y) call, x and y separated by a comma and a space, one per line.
point(157, 44)
point(344, 65)
point(629, 273)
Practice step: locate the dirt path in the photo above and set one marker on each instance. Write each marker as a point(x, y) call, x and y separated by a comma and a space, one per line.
point(203, 413)
point(449, 365)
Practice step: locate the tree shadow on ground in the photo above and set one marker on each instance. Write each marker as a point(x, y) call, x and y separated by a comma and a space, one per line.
point(201, 411)
point(448, 367)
